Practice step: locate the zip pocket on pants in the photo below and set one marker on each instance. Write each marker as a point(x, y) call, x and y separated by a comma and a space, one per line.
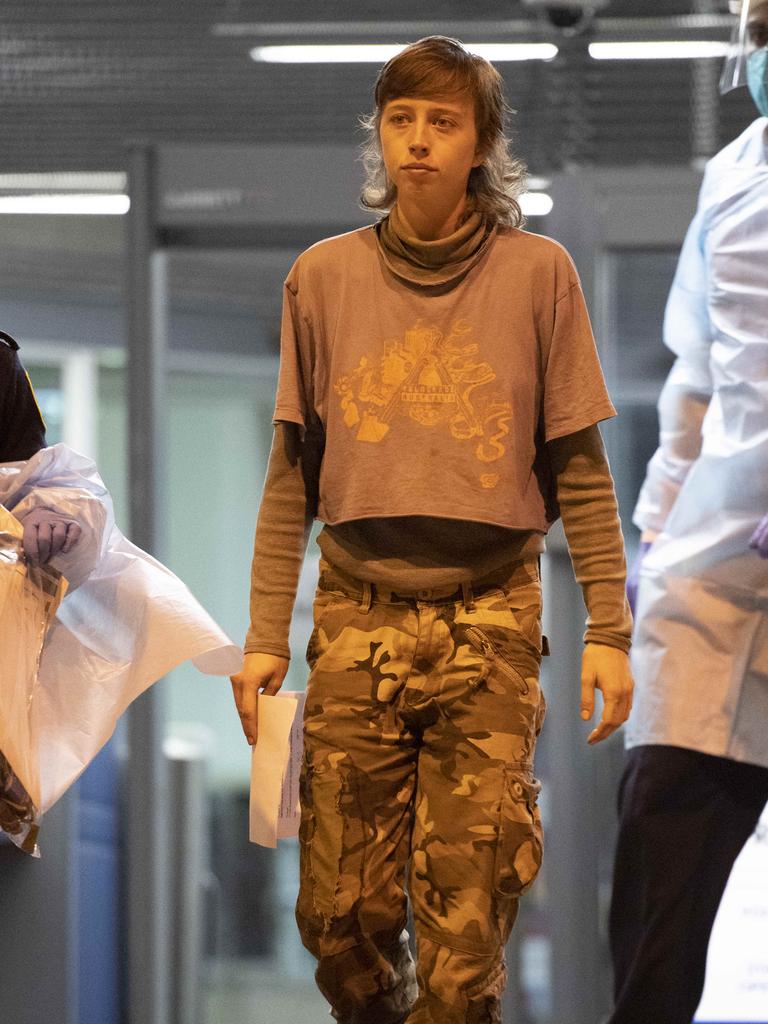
point(485, 646)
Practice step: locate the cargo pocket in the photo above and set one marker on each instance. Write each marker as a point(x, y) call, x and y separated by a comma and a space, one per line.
point(331, 848)
point(520, 840)
point(309, 922)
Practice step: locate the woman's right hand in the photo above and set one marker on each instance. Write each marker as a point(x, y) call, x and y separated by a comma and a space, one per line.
point(260, 672)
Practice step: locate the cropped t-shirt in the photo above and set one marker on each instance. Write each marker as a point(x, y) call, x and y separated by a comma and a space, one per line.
point(436, 401)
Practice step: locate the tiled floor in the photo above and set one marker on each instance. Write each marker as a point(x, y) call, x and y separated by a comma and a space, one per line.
point(252, 992)
point(258, 995)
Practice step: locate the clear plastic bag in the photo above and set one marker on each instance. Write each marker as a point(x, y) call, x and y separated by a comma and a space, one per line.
point(29, 597)
point(125, 622)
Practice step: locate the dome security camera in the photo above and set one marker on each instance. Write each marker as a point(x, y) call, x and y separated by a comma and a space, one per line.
point(566, 15)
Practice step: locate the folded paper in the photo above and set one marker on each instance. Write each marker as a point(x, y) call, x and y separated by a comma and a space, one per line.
point(276, 768)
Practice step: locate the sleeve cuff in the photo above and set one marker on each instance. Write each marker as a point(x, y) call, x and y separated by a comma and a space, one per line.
point(256, 647)
point(617, 640)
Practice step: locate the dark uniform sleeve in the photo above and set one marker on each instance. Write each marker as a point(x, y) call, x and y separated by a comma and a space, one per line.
point(22, 430)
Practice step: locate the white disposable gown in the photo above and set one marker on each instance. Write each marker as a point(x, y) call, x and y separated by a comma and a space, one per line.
point(700, 655)
point(125, 621)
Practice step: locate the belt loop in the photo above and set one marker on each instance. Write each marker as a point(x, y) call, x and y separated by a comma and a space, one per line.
point(365, 603)
point(467, 597)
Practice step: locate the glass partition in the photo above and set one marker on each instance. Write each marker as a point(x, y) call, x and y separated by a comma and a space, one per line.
point(636, 364)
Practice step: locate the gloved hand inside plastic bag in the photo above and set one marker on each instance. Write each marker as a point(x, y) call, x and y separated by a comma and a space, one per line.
point(46, 533)
point(125, 621)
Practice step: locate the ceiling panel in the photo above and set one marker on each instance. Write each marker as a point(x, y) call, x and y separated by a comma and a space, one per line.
point(80, 78)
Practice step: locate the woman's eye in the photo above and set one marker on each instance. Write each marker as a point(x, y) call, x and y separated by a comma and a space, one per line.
point(443, 122)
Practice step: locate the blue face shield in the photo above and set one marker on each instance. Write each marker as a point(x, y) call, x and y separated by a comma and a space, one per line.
point(757, 79)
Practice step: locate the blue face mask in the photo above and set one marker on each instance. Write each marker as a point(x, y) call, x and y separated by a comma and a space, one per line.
point(757, 79)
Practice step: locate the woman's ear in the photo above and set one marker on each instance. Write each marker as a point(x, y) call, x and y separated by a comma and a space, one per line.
point(481, 152)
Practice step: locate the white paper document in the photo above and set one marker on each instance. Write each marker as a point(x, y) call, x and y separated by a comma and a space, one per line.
point(275, 768)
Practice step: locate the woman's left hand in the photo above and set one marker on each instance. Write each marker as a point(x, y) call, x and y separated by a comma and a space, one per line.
point(606, 669)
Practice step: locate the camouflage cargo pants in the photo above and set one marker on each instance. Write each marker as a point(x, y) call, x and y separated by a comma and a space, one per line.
point(421, 718)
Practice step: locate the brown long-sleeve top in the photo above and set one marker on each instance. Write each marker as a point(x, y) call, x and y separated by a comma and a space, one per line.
point(415, 552)
point(448, 515)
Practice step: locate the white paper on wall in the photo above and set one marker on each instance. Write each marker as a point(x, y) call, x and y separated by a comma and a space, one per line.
point(736, 988)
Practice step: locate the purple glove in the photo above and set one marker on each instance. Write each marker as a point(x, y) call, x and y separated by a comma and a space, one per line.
point(759, 538)
point(633, 576)
point(46, 533)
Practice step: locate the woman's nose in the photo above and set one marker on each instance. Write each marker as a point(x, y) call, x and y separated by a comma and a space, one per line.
point(418, 145)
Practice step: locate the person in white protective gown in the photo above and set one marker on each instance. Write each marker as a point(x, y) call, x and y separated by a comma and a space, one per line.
point(696, 779)
point(126, 619)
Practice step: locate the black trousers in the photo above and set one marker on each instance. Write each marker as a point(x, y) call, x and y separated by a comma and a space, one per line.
point(683, 819)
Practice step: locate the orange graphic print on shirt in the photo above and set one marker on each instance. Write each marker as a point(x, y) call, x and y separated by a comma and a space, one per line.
point(437, 381)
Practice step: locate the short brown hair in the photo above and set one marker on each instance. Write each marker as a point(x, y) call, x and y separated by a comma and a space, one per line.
point(440, 66)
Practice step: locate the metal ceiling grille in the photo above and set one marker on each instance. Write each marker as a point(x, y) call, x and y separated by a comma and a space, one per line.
point(81, 78)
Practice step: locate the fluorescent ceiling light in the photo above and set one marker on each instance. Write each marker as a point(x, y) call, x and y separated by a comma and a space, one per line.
point(361, 30)
point(536, 204)
point(65, 181)
point(684, 49)
point(514, 51)
point(379, 53)
point(65, 203)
